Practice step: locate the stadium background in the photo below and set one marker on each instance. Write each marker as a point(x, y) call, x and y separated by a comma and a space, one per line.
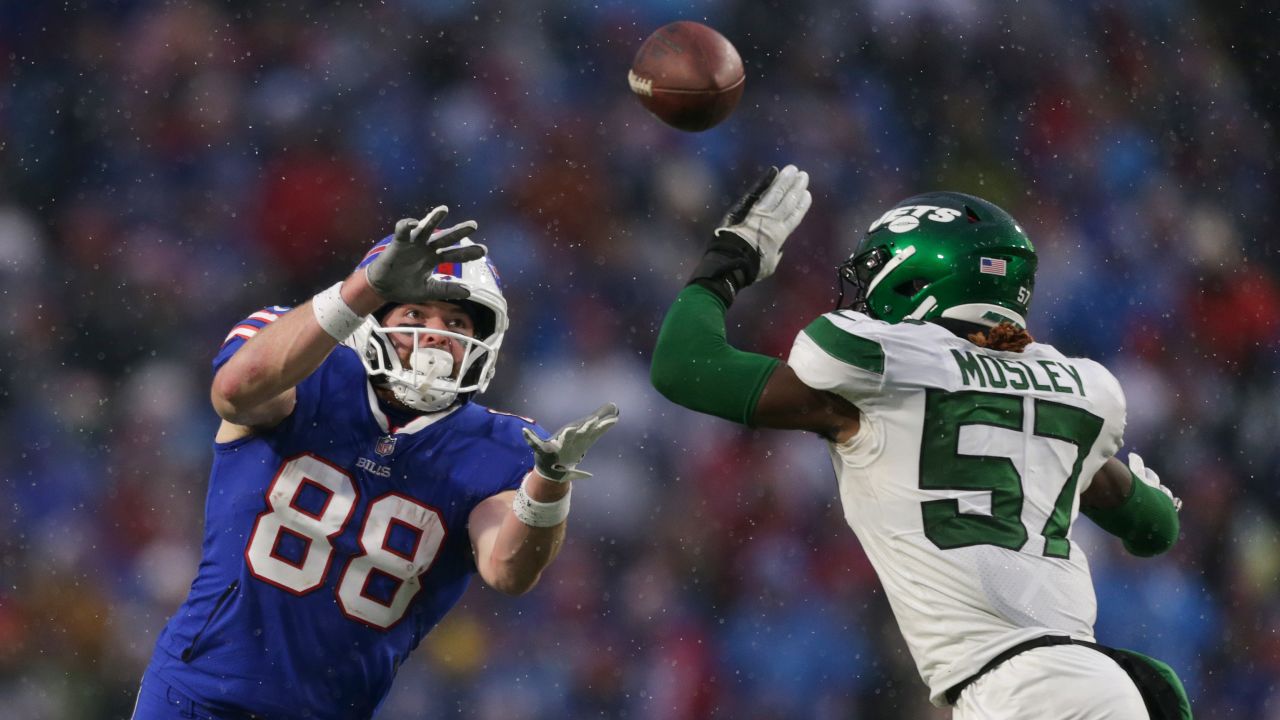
point(167, 167)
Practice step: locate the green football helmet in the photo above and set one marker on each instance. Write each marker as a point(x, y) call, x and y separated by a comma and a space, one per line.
point(943, 256)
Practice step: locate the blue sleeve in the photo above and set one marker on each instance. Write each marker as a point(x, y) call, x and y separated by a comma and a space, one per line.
point(244, 330)
point(514, 456)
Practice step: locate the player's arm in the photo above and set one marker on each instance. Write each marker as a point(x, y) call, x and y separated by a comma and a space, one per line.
point(516, 534)
point(694, 365)
point(255, 388)
point(1130, 503)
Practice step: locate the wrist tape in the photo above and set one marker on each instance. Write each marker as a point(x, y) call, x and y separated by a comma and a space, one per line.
point(333, 314)
point(540, 514)
point(728, 265)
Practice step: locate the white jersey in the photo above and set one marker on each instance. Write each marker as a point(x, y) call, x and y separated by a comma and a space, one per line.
point(964, 479)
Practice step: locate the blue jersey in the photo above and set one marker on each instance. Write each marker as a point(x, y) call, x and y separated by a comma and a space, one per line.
point(333, 543)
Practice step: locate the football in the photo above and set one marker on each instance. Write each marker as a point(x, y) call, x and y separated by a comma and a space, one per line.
point(688, 75)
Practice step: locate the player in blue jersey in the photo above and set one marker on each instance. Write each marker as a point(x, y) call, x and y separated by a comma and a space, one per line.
point(356, 488)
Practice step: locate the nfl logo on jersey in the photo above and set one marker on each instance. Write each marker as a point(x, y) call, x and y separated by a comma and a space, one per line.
point(386, 445)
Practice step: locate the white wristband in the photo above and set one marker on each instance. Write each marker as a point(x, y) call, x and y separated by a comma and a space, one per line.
point(540, 514)
point(333, 314)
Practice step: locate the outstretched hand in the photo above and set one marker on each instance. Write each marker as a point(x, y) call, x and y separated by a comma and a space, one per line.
point(402, 273)
point(748, 244)
point(767, 215)
point(557, 457)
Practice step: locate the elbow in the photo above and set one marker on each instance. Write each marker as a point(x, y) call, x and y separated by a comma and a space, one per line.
point(1151, 544)
point(664, 375)
point(229, 396)
point(515, 589)
point(510, 582)
point(1156, 534)
point(659, 382)
point(222, 395)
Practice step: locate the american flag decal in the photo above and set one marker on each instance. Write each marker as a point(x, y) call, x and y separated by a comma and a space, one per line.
point(991, 266)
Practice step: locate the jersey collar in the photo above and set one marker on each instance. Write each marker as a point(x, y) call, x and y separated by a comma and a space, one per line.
point(418, 423)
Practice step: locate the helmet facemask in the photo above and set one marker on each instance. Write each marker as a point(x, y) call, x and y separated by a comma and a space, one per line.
point(428, 381)
point(863, 271)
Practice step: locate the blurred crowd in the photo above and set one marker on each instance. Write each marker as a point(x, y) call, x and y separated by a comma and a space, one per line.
point(168, 167)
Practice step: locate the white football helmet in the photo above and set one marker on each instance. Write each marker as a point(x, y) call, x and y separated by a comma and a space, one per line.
point(430, 384)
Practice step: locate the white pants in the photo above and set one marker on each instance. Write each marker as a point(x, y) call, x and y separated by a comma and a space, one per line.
point(1058, 682)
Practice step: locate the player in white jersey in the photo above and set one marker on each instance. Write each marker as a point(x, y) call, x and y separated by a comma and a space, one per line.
point(963, 449)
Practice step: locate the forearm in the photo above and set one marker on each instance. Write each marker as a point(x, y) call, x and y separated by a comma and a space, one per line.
point(694, 365)
point(1146, 520)
point(521, 552)
point(282, 354)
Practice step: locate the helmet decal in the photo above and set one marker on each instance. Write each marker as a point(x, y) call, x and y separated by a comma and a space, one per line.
point(448, 270)
point(907, 218)
point(497, 279)
point(991, 266)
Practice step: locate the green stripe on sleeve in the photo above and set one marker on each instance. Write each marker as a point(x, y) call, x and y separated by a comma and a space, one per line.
point(846, 347)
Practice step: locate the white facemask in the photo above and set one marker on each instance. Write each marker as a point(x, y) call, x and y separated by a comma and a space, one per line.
point(427, 382)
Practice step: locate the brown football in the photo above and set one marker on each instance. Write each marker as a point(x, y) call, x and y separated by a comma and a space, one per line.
point(688, 75)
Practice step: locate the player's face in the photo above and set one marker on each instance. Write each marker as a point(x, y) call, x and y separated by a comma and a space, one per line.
point(434, 315)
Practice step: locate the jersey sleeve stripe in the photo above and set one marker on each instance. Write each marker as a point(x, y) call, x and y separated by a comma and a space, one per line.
point(250, 326)
point(841, 345)
point(241, 331)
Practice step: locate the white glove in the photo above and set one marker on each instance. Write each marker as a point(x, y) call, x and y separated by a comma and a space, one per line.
point(765, 220)
point(1149, 476)
point(557, 457)
point(402, 273)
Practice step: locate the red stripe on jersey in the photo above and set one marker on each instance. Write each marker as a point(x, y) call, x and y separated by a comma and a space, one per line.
point(241, 331)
